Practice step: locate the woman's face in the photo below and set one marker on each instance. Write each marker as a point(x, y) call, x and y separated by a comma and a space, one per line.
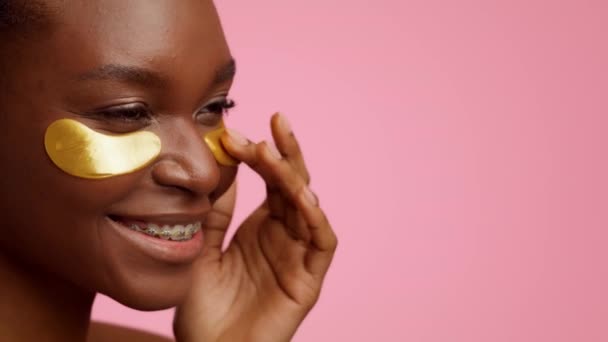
point(117, 66)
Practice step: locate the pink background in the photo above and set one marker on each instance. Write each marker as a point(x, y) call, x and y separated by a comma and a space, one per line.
point(460, 151)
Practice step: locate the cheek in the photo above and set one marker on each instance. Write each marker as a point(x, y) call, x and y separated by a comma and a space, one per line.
point(49, 217)
point(227, 178)
point(212, 139)
point(34, 187)
point(55, 219)
point(52, 216)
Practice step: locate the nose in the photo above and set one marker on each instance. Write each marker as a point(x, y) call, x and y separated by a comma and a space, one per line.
point(185, 161)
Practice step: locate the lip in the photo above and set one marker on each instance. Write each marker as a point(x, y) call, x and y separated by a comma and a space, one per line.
point(168, 218)
point(166, 251)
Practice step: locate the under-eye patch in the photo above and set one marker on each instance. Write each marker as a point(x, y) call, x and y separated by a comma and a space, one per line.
point(215, 145)
point(83, 152)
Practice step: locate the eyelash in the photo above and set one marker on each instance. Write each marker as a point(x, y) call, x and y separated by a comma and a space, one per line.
point(139, 112)
point(221, 106)
point(132, 112)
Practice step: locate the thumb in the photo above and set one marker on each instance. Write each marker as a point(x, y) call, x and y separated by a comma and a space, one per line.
point(217, 222)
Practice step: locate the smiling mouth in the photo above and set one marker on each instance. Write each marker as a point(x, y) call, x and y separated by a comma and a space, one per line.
point(176, 232)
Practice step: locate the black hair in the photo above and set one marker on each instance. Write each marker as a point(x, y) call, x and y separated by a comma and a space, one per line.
point(23, 15)
point(21, 21)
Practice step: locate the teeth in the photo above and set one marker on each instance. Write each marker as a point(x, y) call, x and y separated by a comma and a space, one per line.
point(177, 232)
point(165, 234)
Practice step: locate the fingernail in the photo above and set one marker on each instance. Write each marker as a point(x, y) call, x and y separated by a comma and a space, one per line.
point(310, 197)
point(274, 151)
point(237, 137)
point(284, 123)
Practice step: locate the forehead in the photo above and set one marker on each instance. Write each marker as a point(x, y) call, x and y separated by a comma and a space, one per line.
point(159, 34)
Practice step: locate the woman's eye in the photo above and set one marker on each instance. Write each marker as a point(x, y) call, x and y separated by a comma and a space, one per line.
point(213, 113)
point(135, 112)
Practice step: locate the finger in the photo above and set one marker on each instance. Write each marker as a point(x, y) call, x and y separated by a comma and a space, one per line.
point(277, 171)
point(226, 201)
point(323, 238)
point(274, 198)
point(288, 144)
point(276, 202)
point(214, 230)
point(217, 221)
point(280, 177)
point(265, 159)
point(279, 174)
point(296, 224)
point(242, 149)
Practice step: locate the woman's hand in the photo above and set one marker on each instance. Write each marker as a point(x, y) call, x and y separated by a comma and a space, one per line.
point(270, 276)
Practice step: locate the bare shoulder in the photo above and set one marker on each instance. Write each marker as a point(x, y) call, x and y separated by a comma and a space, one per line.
point(105, 332)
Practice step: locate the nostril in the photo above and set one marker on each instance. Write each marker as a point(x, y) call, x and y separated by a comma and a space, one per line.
point(185, 175)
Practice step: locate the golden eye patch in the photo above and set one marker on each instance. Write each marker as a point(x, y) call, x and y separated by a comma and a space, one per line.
point(83, 152)
point(215, 145)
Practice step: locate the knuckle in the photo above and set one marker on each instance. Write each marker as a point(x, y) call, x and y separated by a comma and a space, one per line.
point(333, 240)
point(306, 177)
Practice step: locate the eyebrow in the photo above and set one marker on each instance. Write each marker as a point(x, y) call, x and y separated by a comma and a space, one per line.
point(148, 77)
point(225, 73)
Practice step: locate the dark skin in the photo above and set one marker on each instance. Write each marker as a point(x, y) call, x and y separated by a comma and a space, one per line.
point(170, 58)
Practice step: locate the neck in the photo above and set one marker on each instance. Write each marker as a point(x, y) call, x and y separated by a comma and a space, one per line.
point(37, 305)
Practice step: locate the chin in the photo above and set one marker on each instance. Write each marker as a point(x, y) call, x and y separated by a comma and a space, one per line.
point(149, 301)
point(150, 292)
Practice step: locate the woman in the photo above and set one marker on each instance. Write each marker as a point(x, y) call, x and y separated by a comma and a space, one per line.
point(85, 84)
